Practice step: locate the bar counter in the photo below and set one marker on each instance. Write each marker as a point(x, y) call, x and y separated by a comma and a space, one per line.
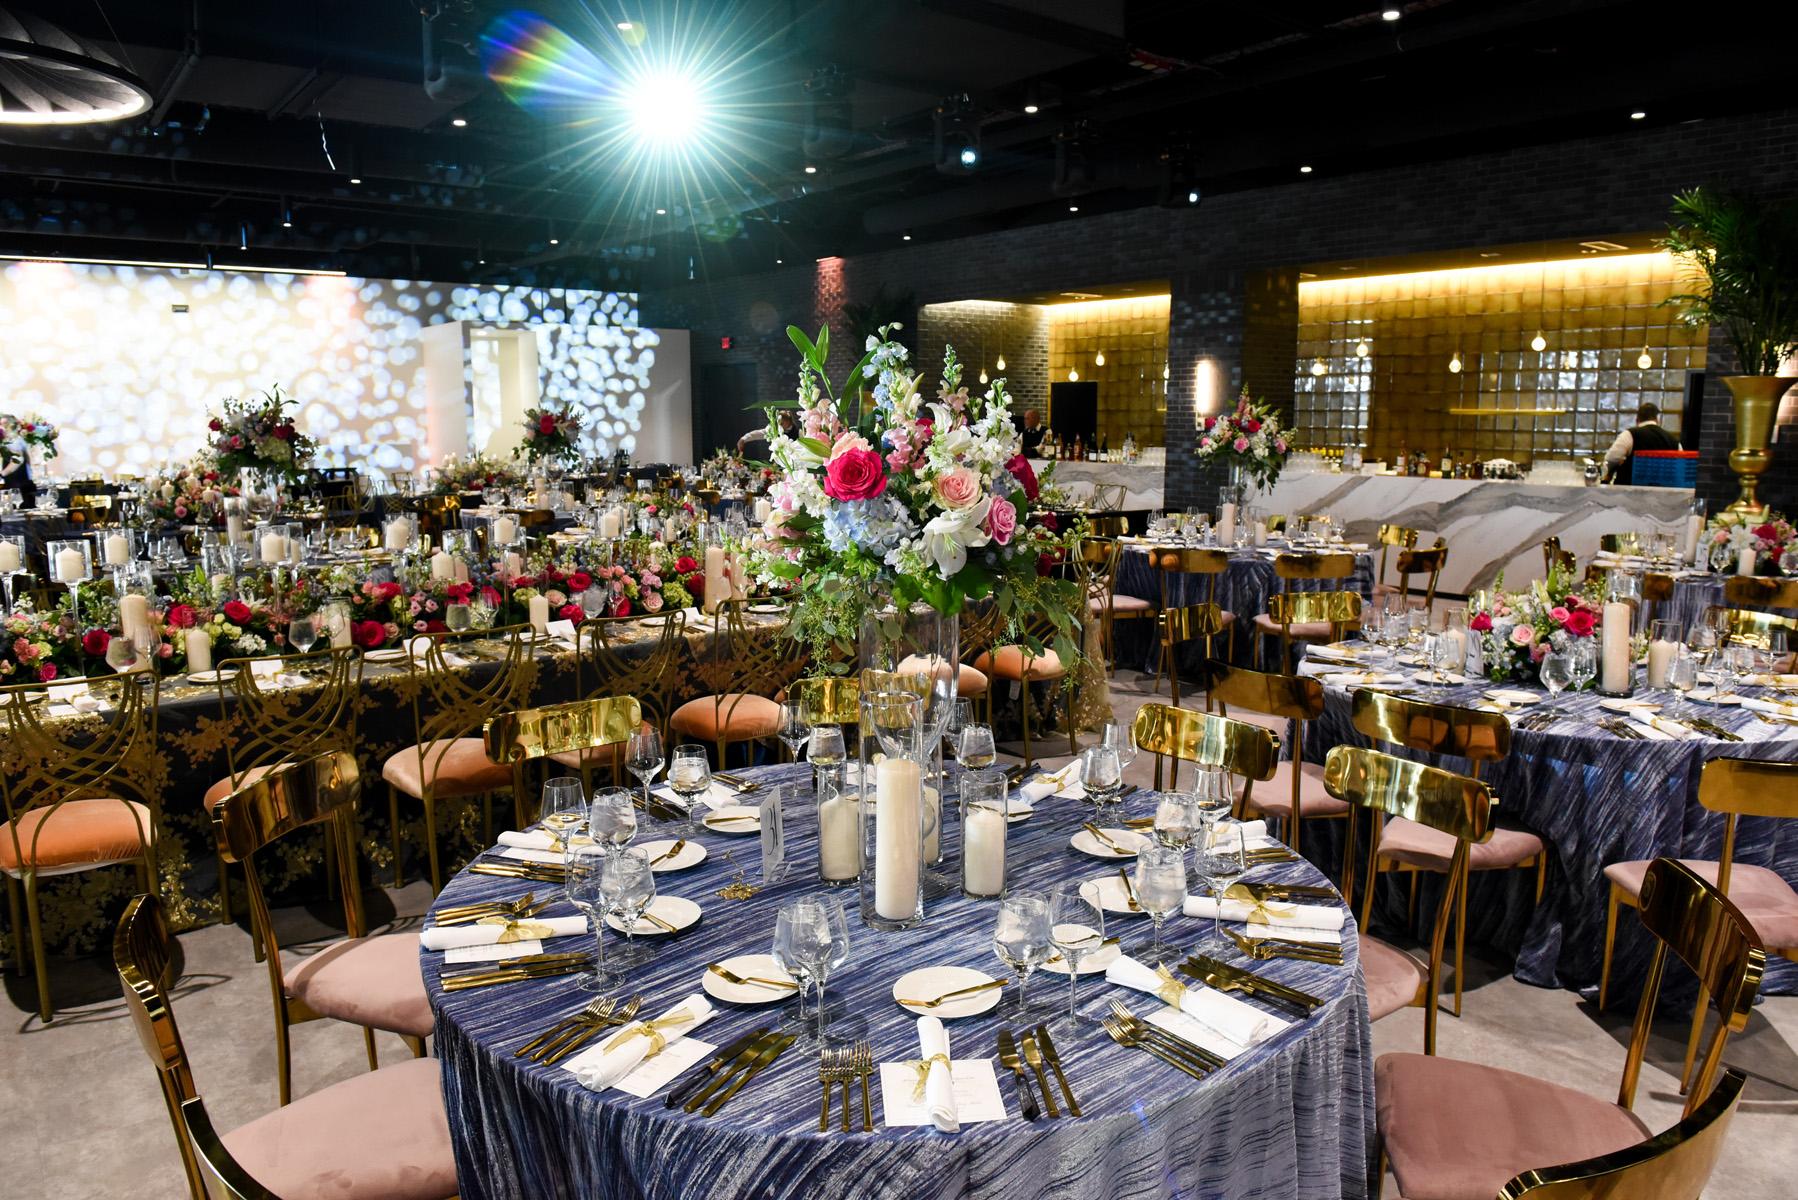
point(1142, 481)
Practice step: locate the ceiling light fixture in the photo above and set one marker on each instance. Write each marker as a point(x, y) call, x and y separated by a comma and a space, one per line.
point(1031, 109)
point(1361, 349)
point(1645, 360)
point(983, 378)
point(625, 27)
point(661, 212)
point(459, 122)
point(810, 169)
point(1305, 170)
point(1454, 363)
point(1390, 14)
point(1099, 359)
point(286, 214)
point(1318, 367)
point(1538, 343)
point(666, 107)
point(905, 237)
point(51, 78)
point(1637, 115)
point(969, 156)
point(1073, 375)
point(1073, 208)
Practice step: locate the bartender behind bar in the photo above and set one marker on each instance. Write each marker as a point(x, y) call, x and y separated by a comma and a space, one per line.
point(1645, 434)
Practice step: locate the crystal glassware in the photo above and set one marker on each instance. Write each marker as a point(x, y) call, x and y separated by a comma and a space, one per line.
point(1160, 889)
point(690, 776)
point(976, 751)
point(1076, 929)
point(612, 818)
point(1021, 940)
point(585, 887)
point(643, 757)
point(628, 887)
point(1222, 864)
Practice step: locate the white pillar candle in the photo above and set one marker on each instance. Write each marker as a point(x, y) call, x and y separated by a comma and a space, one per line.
point(1614, 658)
point(715, 583)
point(933, 834)
point(118, 549)
point(396, 535)
point(71, 566)
point(670, 533)
point(1694, 527)
point(459, 571)
point(896, 842)
point(762, 508)
point(1660, 662)
point(514, 563)
point(9, 557)
point(1745, 561)
point(608, 524)
point(340, 633)
point(540, 613)
point(838, 859)
point(983, 851)
point(505, 529)
point(134, 619)
point(167, 491)
point(443, 566)
point(1226, 525)
point(199, 651)
point(1261, 533)
point(274, 547)
point(234, 528)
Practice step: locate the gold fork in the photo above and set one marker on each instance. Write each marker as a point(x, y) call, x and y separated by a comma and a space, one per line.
point(863, 1061)
point(1135, 1040)
point(595, 1010)
point(1149, 1030)
point(1266, 948)
point(1103, 837)
point(575, 1038)
point(956, 994)
point(748, 980)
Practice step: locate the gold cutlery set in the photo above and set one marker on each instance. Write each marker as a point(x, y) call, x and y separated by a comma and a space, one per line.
point(1127, 1029)
point(571, 1033)
point(711, 1086)
point(736, 783)
point(1223, 977)
point(515, 970)
point(513, 868)
point(957, 994)
point(1039, 1052)
point(844, 1065)
point(508, 910)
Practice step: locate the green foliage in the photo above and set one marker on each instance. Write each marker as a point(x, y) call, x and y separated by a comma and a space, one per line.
point(1745, 253)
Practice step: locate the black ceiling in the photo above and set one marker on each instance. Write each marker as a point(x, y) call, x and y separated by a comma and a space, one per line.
point(267, 111)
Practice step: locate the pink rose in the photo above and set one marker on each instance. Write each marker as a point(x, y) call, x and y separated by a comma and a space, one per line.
point(957, 488)
point(1240, 444)
point(855, 474)
point(1538, 652)
point(1001, 521)
point(848, 442)
point(1559, 614)
point(652, 602)
point(1522, 635)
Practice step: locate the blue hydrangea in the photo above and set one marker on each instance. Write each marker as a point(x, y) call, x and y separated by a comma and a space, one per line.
point(876, 525)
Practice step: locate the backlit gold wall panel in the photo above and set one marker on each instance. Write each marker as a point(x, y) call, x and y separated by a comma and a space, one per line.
point(1132, 335)
point(1595, 314)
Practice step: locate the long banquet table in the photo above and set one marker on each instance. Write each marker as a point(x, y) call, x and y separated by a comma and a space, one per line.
point(1292, 1117)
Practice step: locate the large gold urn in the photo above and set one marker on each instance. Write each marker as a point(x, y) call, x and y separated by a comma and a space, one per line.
point(1757, 402)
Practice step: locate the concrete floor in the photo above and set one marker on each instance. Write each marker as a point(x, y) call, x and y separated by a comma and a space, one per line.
point(83, 1117)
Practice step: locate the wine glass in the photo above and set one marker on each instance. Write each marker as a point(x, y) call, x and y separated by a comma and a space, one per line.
point(628, 886)
point(1076, 929)
point(612, 818)
point(1735, 664)
point(458, 618)
point(1583, 656)
point(1021, 940)
point(1556, 673)
point(121, 652)
point(1778, 648)
point(302, 633)
point(793, 729)
point(1682, 676)
point(586, 890)
point(690, 775)
point(1101, 776)
point(1160, 889)
point(564, 807)
point(976, 752)
point(960, 713)
point(643, 757)
point(811, 939)
point(592, 602)
point(1115, 737)
point(1223, 863)
point(1179, 818)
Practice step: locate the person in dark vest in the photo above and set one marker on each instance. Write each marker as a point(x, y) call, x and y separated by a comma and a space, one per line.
point(17, 473)
point(1645, 434)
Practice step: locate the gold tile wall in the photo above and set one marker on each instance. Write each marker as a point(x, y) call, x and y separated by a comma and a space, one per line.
point(1132, 335)
point(1597, 316)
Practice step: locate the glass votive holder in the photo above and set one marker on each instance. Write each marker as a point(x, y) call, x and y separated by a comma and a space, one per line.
point(983, 834)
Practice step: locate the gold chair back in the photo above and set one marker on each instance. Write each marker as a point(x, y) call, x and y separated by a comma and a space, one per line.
point(1210, 741)
point(748, 659)
point(271, 725)
point(533, 733)
point(1183, 560)
point(1098, 567)
point(981, 626)
point(1672, 1165)
point(1620, 543)
point(1746, 787)
point(1658, 587)
point(1293, 697)
point(830, 700)
point(1445, 729)
point(450, 702)
point(1193, 621)
point(437, 513)
point(1423, 562)
point(612, 661)
point(1299, 608)
point(1553, 556)
point(1276, 522)
point(1109, 526)
point(1760, 591)
point(1747, 627)
point(1390, 536)
point(1314, 566)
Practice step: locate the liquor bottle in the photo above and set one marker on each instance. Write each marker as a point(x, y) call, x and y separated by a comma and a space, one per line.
point(1104, 448)
point(1079, 447)
point(1402, 463)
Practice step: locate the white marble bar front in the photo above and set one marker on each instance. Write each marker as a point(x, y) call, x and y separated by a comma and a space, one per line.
point(1143, 483)
point(1490, 525)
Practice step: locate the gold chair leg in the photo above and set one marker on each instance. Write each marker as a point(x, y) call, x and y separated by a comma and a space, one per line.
point(414, 1044)
point(39, 965)
point(1610, 944)
point(224, 890)
point(1461, 931)
point(1373, 875)
point(430, 804)
point(368, 1043)
point(1024, 715)
point(393, 818)
point(1411, 903)
point(16, 922)
point(1541, 874)
point(283, 1059)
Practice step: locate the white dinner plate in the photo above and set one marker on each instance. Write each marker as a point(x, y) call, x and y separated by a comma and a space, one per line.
point(390, 655)
point(691, 855)
point(1110, 893)
point(767, 609)
point(1092, 964)
point(737, 819)
point(1711, 697)
point(1018, 809)
point(206, 676)
point(1512, 696)
point(1086, 843)
point(675, 910)
point(928, 982)
point(748, 966)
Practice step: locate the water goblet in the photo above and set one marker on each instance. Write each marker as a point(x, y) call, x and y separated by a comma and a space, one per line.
point(644, 758)
point(586, 891)
point(690, 775)
point(628, 887)
point(1076, 929)
point(1120, 739)
point(1682, 677)
point(1021, 940)
point(564, 807)
point(302, 633)
point(960, 714)
point(612, 818)
point(458, 618)
point(976, 752)
point(1101, 776)
point(1556, 673)
point(1223, 863)
point(1160, 889)
point(811, 939)
point(793, 729)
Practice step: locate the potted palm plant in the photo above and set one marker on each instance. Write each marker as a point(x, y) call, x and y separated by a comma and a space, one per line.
point(1743, 254)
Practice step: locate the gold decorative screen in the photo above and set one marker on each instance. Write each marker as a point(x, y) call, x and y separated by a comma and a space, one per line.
point(1131, 336)
point(1387, 345)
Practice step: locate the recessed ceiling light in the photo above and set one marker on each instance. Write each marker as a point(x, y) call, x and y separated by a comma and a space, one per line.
point(661, 212)
point(810, 170)
point(1031, 109)
point(779, 261)
point(1073, 208)
point(625, 27)
point(355, 179)
point(459, 122)
point(1389, 14)
point(1305, 170)
point(1637, 115)
point(905, 237)
point(555, 241)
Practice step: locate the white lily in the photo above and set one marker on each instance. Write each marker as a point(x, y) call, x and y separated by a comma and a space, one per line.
point(949, 537)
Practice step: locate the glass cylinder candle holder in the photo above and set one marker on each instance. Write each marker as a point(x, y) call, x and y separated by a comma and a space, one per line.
point(892, 811)
point(983, 831)
point(839, 840)
point(273, 542)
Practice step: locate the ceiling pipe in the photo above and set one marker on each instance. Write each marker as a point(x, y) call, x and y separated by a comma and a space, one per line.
point(184, 67)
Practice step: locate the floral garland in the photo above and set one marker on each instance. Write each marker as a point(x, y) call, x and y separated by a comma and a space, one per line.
point(551, 435)
point(1517, 629)
point(476, 473)
point(1248, 437)
point(1770, 536)
point(259, 435)
point(33, 431)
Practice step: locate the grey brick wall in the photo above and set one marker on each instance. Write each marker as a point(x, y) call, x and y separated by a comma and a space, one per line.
point(1020, 330)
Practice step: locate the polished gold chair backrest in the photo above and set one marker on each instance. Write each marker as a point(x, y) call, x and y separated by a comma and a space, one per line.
point(1299, 608)
point(1210, 741)
point(1760, 591)
point(437, 513)
point(614, 660)
point(1390, 536)
point(1620, 543)
point(1112, 526)
point(142, 955)
point(1445, 729)
point(707, 496)
point(1750, 628)
point(1168, 561)
point(1423, 562)
point(322, 789)
point(830, 700)
point(1297, 565)
point(748, 658)
point(271, 725)
point(450, 702)
point(1276, 522)
point(1190, 621)
point(981, 627)
point(1553, 556)
point(1673, 1165)
point(1746, 787)
point(527, 734)
point(1292, 697)
point(1457, 805)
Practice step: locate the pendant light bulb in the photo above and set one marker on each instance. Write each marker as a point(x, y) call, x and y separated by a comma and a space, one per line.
point(1361, 348)
point(982, 374)
point(1099, 359)
point(1073, 375)
point(1318, 367)
point(1645, 360)
point(1001, 363)
point(1538, 343)
point(1454, 364)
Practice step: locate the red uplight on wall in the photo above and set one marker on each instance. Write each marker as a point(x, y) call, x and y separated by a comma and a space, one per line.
point(727, 343)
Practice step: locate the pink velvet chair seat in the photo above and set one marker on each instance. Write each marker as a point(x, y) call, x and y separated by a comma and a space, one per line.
point(458, 767)
point(1274, 797)
point(1016, 663)
point(733, 716)
point(379, 1136)
point(1420, 846)
point(372, 981)
point(232, 783)
point(78, 835)
point(1118, 603)
point(1393, 978)
point(1764, 897)
point(1459, 1131)
point(971, 681)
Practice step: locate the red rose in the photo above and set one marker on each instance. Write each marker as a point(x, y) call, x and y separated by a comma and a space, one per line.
point(621, 607)
point(524, 581)
point(1047, 521)
point(686, 564)
point(1480, 622)
point(95, 641)
point(1020, 467)
point(1210, 421)
point(46, 672)
point(215, 424)
point(237, 612)
point(579, 581)
point(387, 591)
point(855, 474)
point(182, 616)
point(1252, 425)
point(696, 585)
point(1045, 564)
point(235, 442)
point(436, 627)
point(369, 634)
point(1580, 622)
point(570, 612)
point(546, 424)
point(490, 595)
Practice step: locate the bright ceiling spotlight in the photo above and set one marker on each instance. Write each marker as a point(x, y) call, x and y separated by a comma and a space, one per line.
point(1645, 360)
point(666, 107)
point(459, 122)
point(810, 169)
point(1538, 343)
point(355, 179)
point(1032, 109)
point(1390, 14)
point(1305, 170)
point(48, 77)
point(906, 236)
point(661, 212)
point(1361, 349)
point(1454, 364)
point(1318, 367)
point(1638, 115)
point(1073, 375)
point(1099, 359)
point(969, 156)
point(1073, 208)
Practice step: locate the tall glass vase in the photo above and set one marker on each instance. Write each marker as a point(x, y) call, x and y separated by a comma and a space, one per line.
point(892, 814)
point(918, 650)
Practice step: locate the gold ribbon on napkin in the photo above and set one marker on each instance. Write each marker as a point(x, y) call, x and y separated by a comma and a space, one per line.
point(1171, 991)
point(518, 931)
point(653, 1031)
point(1261, 912)
point(922, 1067)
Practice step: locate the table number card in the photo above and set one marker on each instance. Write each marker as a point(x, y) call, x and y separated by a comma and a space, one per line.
point(561, 629)
point(774, 836)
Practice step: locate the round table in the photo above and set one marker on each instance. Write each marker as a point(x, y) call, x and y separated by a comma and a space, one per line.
point(1292, 1117)
point(1246, 584)
point(1596, 798)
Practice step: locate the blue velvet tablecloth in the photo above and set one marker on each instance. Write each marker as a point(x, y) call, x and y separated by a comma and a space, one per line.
point(1595, 798)
point(1293, 1117)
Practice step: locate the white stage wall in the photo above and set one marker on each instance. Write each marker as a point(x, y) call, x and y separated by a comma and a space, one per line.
point(102, 352)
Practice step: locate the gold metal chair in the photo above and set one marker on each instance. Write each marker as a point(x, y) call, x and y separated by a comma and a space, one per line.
point(1749, 628)
point(574, 731)
point(1428, 563)
point(1461, 1128)
point(371, 1137)
point(81, 793)
point(750, 662)
point(1099, 560)
point(1735, 787)
point(1402, 845)
point(1390, 536)
point(830, 700)
point(1017, 663)
point(1181, 623)
point(1295, 790)
point(436, 514)
point(1308, 616)
point(1657, 589)
point(450, 707)
point(267, 726)
point(636, 656)
point(980, 629)
point(374, 982)
point(1553, 556)
point(1450, 804)
point(1760, 591)
point(1620, 543)
point(1205, 740)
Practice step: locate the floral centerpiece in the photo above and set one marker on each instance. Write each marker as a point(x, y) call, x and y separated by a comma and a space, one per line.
point(193, 494)
point(37, 647)
point(1249, 440)
point(1517, 629)
point(550, 435)
point(28, 433)
point(259, 435)
point(1769, 535)
point(476, 473)
point(883, 499)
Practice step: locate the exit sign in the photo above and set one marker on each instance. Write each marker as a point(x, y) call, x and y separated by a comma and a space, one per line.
point(727, 343)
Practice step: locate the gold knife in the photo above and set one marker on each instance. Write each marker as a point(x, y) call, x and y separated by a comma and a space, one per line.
point(1034, 1056)
point(719, 1078)
point(761, 1063)
point(1054, 1060)
point(1103, 837)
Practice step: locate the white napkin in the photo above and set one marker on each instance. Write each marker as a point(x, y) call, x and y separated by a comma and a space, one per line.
point(452, 937)
point(939, 1084)
point(1771, 680)
point(619, 1055)
point(1254, 835)
point(1285, 916)
point(536, 839)
point(1777, 708)
point(1239, 1022)
point(1360, 678)
point(1661, 725)
point(717, 796)
point(1641, 725)
point(1065, 782)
